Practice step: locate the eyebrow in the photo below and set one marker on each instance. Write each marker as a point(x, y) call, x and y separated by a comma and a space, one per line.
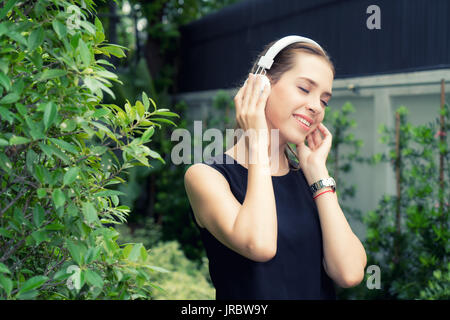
point(315, 84)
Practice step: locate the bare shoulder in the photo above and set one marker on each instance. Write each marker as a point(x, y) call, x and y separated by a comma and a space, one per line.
point(216, 208)
point(199, 179)
point(214, 205)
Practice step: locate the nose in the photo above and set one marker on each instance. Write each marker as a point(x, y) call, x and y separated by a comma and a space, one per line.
point(314, 106)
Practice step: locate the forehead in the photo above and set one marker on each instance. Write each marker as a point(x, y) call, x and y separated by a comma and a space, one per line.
point(312, 67)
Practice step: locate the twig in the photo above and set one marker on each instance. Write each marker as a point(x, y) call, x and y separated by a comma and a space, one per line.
point(13, 202)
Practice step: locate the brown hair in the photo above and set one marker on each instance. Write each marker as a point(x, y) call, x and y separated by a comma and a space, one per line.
point(284, 61)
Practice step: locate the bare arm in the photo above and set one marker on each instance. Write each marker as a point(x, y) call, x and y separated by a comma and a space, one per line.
point(344, 254)
point(249, 229)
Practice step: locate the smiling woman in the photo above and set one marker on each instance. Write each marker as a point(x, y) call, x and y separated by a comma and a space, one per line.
point(305, 69)
point(265, 235)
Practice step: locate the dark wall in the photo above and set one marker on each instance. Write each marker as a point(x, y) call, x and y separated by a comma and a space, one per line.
point(218, 50)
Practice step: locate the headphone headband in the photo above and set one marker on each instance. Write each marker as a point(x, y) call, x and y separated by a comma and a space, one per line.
point(266, 61)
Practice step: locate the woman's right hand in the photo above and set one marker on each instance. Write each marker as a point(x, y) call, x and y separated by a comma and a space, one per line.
point(250, 109)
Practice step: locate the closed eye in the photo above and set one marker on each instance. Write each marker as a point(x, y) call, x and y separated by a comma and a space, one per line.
point(303, 89)
point(306, 91)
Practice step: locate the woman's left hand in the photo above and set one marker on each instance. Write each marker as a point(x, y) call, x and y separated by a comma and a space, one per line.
point(315, 155)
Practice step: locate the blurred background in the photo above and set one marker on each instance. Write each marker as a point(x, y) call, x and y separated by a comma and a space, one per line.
point(387, 115)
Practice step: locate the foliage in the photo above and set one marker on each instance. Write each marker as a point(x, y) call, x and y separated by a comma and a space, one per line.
point(412, 248)
point(345, 151)
point(148, 233)
point(340, 160)
point(60, 149)
point(438, 288)
point(159, 192)
point(186, 279)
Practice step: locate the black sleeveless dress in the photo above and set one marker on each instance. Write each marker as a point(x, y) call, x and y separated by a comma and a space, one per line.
point(296, 271)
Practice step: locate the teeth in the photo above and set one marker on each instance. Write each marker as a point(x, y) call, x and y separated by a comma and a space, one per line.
point(303, 120)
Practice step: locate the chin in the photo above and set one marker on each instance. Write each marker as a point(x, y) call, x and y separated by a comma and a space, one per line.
point(296, 138)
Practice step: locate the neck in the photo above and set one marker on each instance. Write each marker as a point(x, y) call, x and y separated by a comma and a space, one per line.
point(278, 162)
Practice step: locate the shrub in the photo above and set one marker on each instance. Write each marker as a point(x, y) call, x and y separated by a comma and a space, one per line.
point(60, 148)
point(408, 234)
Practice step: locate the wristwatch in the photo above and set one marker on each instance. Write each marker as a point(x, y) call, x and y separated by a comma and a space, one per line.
point(322, 183)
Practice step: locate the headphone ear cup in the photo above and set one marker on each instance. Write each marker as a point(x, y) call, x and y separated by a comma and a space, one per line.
point(265, 82)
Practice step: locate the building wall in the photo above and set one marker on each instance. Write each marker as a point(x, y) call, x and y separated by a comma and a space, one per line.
point(215, 51)
point(375, 100)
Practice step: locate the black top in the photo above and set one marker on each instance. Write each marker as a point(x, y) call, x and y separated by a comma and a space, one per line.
point(296, 271)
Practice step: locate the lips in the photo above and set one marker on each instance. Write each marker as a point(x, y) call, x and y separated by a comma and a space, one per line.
point(302, 125)
point(304, 117)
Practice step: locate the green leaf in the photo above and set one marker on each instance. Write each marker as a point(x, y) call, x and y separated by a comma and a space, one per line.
point(39, 236)
point(65, 145)
point(156, 268)
point(145, 101)
point(85, 53)
point(7, 284)
point(71, 175)
point(47, 150)
point(4, 81)
point(15, 140)
point(163, 120)
point(88, 26)
point(52, 73)
point(98, 25)
point(36, 58)
point(68, 125)
point(5, 163)
point(75, 251)
point(35, 39)
point(6, 8)
point(107, 193)
point(41, 193)
point(94, 278)
point(54, 226)
point(6, 114)
point(148, 134)
point(89, 212)
point(4, 269)
point(165, 113)
point(38, 215)
point(10, 98)
point(58, 198)
point(5, 233)
point(3, 142)
point(140, 108)
point(135, 252)
point(101, 113)
point(33, 283)
point(115, 51)
point(59, 28)
point(49, 114)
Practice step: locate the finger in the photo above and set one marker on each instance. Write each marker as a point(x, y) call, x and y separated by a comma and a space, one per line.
point(310, 142)
point(262, 100)
point(255, 93)
point(327, 134)
point(247, 93)
point(323, 129)
point(238, 98)
point(316, 138)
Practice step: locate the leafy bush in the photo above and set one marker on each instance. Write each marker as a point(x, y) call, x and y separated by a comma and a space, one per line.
point(186, 279)
point(60, 147)
point(408, 235)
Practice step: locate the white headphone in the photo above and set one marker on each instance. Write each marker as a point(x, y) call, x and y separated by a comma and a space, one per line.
point(266, 61)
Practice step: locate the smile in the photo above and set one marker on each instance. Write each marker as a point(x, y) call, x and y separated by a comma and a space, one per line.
point(303, 123)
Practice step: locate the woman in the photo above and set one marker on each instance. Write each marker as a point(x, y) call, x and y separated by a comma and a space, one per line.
point(267, 233)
